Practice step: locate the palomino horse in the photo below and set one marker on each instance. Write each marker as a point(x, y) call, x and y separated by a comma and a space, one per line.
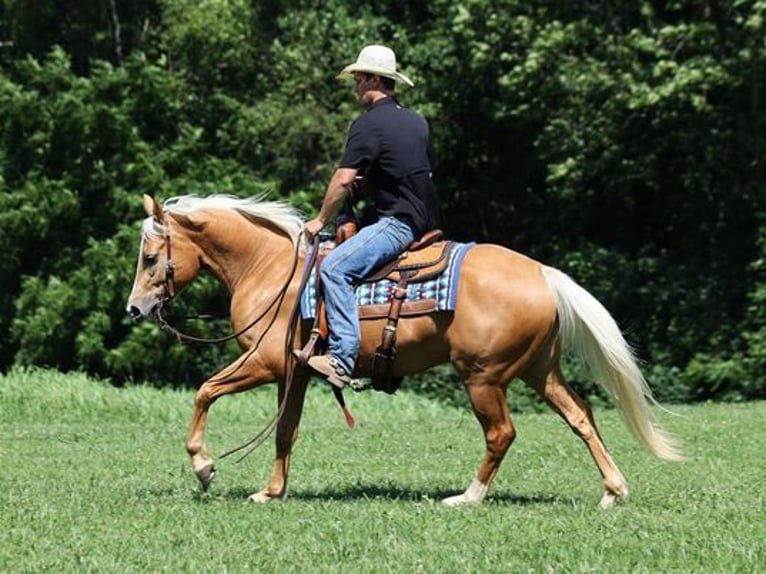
point(513, 318)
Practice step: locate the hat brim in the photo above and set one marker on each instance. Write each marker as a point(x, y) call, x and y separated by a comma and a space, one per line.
point(349, 70)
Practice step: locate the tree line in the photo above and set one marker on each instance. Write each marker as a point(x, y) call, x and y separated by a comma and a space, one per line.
point(622, 142)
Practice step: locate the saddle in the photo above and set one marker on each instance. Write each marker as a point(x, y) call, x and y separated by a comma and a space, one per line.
point(424, 259)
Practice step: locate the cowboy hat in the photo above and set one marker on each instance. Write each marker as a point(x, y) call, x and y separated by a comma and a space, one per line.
point(377, 60)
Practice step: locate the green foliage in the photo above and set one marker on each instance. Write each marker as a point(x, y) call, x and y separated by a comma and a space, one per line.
point(622, 142)
point(89, 30)
point(735, 368)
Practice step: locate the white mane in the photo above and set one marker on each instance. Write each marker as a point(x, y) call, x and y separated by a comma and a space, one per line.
point(282, 215)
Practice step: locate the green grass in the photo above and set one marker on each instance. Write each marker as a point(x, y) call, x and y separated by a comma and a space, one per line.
point(96, 478)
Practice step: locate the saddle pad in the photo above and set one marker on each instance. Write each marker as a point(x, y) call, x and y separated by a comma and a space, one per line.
point(442, 288)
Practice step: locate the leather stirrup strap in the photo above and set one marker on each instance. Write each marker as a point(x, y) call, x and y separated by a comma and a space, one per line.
point(385, 354)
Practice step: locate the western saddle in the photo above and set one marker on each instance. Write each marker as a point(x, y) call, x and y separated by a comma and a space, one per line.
point(424, 259)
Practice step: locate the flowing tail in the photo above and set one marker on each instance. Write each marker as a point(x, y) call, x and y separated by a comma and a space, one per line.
point(587, 329)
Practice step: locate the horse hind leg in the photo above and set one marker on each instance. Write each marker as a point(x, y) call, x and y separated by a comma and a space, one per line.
point(491, 409)
point(554, 388)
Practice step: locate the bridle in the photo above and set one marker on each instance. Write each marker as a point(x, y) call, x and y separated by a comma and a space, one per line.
point(169, 290)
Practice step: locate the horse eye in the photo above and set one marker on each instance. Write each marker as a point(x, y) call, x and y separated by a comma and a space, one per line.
point(150, 258)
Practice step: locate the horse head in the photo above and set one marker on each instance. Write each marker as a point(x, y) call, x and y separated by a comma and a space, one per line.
point(167, 262)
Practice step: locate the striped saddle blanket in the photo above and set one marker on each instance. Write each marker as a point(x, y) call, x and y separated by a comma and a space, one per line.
point(436, 294)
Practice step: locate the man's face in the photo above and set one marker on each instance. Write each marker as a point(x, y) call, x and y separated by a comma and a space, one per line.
point(365, 84)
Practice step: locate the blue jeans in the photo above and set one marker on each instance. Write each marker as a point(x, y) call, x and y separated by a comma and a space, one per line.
point(341, 272)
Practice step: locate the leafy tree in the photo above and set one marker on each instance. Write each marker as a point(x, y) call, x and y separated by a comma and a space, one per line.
point(90, 31)
point(620, 141)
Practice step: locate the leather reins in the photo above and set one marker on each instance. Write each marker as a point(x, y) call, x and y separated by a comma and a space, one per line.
point(170, 291)
point(290, 361)
point(264, 433)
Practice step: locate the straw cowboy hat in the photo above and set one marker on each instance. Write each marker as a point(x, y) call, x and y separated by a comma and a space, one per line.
point(378, 60)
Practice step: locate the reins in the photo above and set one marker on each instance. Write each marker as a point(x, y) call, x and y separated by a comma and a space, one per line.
point(290, 361)
point(290, 332)
point(264, 433)
point(170, 291)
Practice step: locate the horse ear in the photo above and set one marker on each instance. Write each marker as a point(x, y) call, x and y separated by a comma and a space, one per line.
point(154, 209)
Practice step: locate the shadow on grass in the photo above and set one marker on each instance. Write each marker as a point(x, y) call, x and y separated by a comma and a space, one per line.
point(370, 492)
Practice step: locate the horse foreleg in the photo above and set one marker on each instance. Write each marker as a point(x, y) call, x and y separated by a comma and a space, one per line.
point(578, 415)
point(287, 434)
point(240, 376)
point(202, 463)
point(491, 409)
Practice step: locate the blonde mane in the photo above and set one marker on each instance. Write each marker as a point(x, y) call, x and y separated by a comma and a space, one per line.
point(282, 215)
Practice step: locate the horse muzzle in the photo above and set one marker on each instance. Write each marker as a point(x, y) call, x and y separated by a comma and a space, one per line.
point(142, 308)
point(135, 314)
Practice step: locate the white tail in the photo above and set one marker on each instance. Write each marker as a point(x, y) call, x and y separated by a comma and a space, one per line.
point(589, 331)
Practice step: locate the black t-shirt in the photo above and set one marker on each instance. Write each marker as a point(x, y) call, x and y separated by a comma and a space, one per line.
point(391, 146)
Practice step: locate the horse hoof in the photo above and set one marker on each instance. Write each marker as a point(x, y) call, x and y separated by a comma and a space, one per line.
point(473, 496)
point(459, 500)
point(610, 498)
point(206, 475)
point(263, 497)
point(454, 500)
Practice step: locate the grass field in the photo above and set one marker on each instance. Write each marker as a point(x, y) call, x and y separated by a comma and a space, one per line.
point(96, 479)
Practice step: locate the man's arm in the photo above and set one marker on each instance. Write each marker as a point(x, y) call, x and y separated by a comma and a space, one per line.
point(337, 190)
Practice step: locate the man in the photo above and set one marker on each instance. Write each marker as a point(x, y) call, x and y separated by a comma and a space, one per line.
point(390, 147)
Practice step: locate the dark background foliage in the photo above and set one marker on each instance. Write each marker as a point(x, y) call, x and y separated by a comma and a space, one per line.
point(622, 142)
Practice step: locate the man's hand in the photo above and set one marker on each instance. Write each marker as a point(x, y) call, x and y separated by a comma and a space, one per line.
point(336, 193)
point(313, 227)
